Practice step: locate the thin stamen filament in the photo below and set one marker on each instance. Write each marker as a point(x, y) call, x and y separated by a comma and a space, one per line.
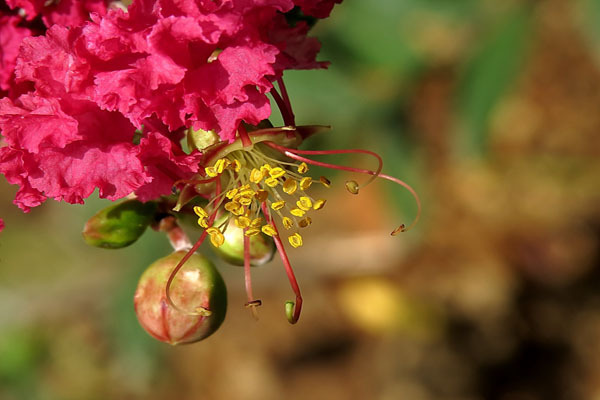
point(187, 256)
point(247, 276)
point(288, 267)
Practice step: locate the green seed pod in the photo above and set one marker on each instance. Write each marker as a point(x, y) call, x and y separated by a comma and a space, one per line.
point(119, 225)
point(198, 292)
point(262, 247)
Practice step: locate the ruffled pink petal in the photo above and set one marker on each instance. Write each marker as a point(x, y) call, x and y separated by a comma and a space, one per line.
point(166, 163)
point(10, 38)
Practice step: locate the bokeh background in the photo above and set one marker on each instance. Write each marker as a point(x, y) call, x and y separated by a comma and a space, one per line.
point(490, 110)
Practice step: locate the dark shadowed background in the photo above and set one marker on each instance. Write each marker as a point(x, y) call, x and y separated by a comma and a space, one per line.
point(490, 110)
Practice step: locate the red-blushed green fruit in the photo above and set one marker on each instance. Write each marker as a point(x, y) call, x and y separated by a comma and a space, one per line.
point(198, 290)
point(262, 247)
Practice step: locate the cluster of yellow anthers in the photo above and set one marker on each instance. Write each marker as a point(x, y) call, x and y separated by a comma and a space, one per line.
point(250, 179)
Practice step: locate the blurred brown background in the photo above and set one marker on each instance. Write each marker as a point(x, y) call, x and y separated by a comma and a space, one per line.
point(490, 110)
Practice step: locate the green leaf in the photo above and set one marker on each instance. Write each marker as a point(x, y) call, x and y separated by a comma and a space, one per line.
point(489, 74)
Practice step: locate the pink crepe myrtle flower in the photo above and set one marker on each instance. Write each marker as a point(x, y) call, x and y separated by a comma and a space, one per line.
point(110, 100)
point(158, 68)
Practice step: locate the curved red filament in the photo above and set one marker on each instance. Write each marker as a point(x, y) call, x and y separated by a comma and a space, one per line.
point(295, 315)
point(293, 153)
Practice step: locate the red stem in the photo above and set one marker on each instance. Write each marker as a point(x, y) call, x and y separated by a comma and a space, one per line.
point(288, 119)
point(286, 100)
point(288, 267)
point(244, 136)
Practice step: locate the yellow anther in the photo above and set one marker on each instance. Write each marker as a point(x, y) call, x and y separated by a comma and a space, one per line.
point(304, 203)
point(277, 172)
point(296, 212)
point(290, 185)
point(352, 187)
point(234, 207)
point(302, 168)
point(245, 201)
point(221, 164)
point(242, 222)
point(246, 192)
point(265, 168)
point(304, 222)
point(271, 182)
point(212, 230)
point(216, 237)
point(269, 230)
point(295, 240)
point(261, 195)
point(287, 222)
point(256, 222)
point(326, 182)
point(211, 171)
point(319, 204)
point(278, 205)
point(201, 212)
point(305, 182)
point(236, 165)
point(203, 222)
point(252, 231)
point(231, 193)
point(398, 230)
point(256, 176)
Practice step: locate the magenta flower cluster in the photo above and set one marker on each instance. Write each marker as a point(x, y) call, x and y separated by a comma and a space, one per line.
point(98, 96)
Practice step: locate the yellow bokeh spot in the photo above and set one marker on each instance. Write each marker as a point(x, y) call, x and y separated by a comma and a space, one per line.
point(295, 240)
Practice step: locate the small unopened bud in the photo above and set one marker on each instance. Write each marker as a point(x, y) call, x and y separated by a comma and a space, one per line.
point(198, 291)
point(119, 225)
point(262, 247)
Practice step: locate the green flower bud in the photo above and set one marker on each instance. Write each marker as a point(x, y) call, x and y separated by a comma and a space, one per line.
point(262, 247)
point(119, 225)
point(198, 292)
